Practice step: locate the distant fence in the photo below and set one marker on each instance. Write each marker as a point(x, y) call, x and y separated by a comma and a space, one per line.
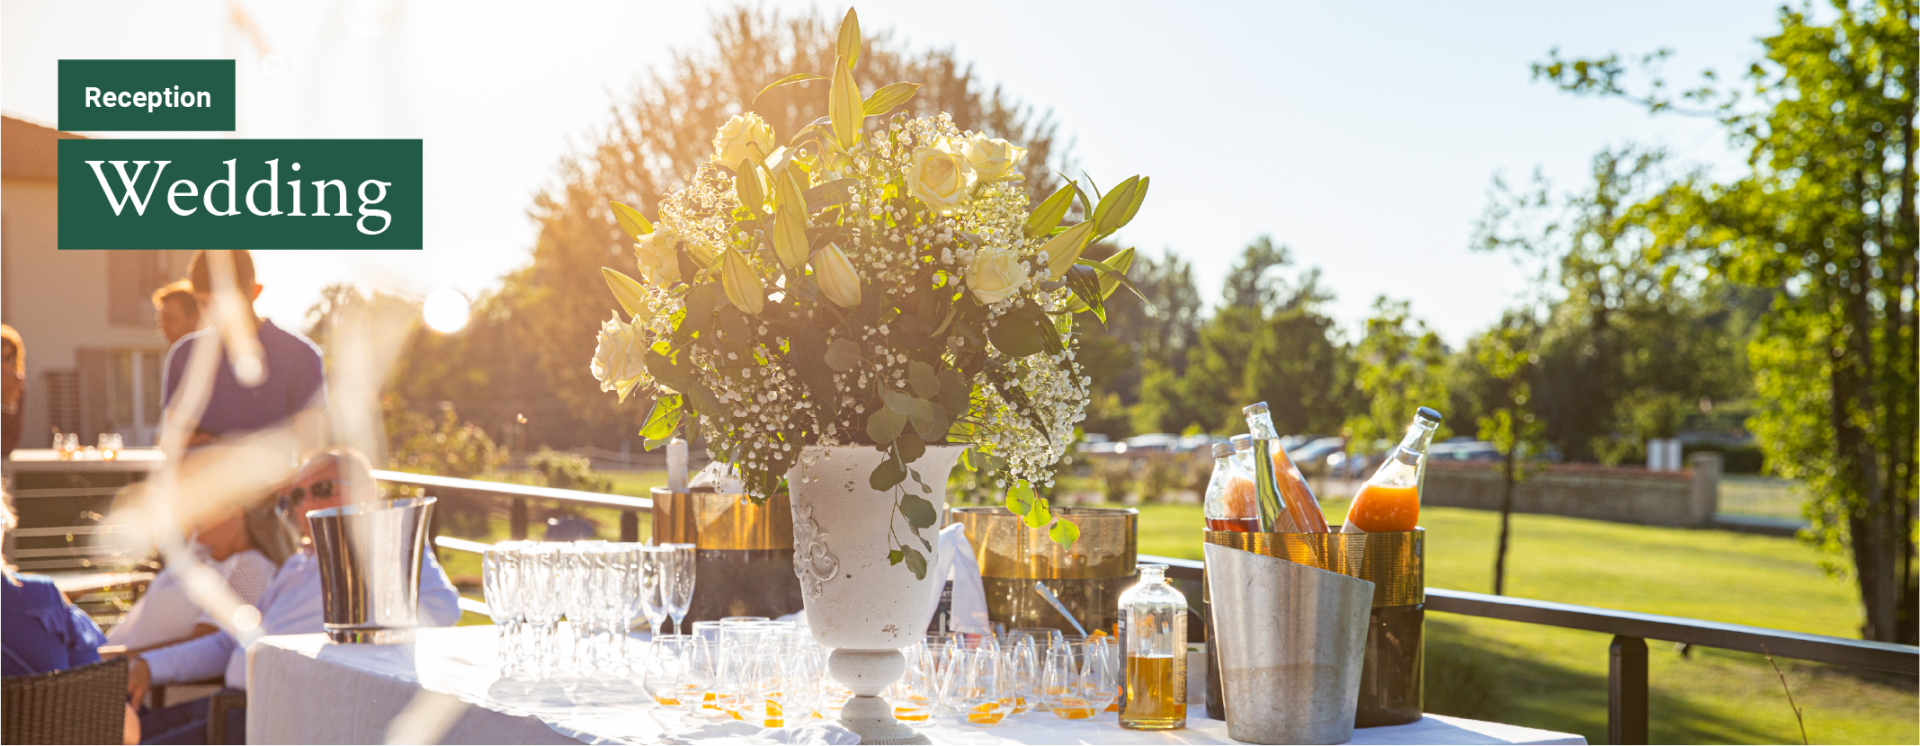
point(1689, 498)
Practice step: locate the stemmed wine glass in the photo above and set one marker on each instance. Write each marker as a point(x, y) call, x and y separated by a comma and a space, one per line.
point(679, 590)
point(654, 562)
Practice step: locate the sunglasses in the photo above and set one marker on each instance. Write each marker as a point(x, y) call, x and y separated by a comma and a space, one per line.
point(322, 489)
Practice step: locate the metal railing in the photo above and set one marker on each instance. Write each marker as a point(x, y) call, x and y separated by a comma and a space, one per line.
point(1627, 655)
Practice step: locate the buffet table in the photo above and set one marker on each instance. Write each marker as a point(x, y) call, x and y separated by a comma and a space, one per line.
point(304, 690)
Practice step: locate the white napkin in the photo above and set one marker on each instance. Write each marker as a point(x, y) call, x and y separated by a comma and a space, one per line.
point(957, 562)
point(721, 477)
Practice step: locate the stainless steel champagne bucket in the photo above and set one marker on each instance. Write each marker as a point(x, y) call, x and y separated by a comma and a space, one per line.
point(1292, 639)
point(370, 568)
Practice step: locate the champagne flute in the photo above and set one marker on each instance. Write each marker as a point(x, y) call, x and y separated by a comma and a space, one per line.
point(680, 597)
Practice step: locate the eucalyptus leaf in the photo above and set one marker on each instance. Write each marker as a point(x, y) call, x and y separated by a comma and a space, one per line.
point(910, 447)
point(1064, 533)
point(1020, 497)
point(886, 476)
point(918, 512)
point(843, 355)
point(1018, 336)
point(883, 425)
point(664, 417)
point(1038, 515)
point(894, 557)
point(921, 377)
point(916, 562)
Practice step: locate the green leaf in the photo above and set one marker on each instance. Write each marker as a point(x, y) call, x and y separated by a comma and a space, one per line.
point(883, 100)
point(848, 46)
point(1133, 207)
point(918, 512)
point(1085, 283)
point(1119, 279)
point(920, 376)
point(1050, 212)
point(789, 80)
point(932, 422)
point(746, 185)
point(954, 392)
point(1106, 216)
point(1018, 335)
point(664, 418)
point(828, 194)
point(844, 106)
point(1020, 497)
point(894, 557)
point(910, 447)
point(1064, 533)
point(843, 355)
point(631, 221)
point(916, 562)
point(1039, 514)
point(887, 475)
point(883, 426)
point(628, 291)
point(902, 403)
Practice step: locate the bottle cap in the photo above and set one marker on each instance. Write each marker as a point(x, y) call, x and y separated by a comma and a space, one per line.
point(1222, 450)
point(1428, 413)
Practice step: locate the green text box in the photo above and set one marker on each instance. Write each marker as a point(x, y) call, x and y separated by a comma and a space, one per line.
point(146, 95)
point(176, 210)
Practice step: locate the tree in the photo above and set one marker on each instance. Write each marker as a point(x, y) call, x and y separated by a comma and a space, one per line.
point(532, 339)
point(1507, 363)
point(1824, 214)
point(1400, 366)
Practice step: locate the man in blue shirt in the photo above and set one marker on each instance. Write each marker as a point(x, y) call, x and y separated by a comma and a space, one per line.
point(293, 391)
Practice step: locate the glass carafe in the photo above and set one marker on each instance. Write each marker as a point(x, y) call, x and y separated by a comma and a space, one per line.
point(1390, 500)
point(1230, 496)
point(1153, 639)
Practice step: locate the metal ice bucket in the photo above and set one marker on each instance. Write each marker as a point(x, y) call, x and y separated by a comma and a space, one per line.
point(370, 568)
point(1088, 577)
point(1291, 640)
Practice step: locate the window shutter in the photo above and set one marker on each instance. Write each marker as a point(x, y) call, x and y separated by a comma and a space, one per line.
point(96, 393)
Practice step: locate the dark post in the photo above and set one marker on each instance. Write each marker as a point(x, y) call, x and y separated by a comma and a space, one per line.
point(1627, 690)
point(517, 519)
point(629, 525)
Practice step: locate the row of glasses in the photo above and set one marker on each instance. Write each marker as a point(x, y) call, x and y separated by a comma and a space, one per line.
point(597, 586)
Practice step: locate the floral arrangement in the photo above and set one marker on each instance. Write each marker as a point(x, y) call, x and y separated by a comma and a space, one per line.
point(876, 280)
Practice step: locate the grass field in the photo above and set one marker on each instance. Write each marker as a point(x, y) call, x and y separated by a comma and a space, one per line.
point(1556, 679)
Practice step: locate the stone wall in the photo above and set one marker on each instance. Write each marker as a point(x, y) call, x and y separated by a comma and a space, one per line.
point(1626, 495)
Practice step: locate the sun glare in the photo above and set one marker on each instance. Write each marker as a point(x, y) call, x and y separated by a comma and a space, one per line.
point(446, 310)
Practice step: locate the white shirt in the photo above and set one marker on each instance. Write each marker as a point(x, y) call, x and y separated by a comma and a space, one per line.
point(165, 614)
point(291, 606)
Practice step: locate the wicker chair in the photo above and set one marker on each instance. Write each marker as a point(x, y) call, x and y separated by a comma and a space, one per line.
point(79, 705)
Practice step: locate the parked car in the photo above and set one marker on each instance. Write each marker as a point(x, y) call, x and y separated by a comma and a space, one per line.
point(1474, 450)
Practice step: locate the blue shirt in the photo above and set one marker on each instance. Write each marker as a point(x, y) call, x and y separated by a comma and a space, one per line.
point(294, 382)
point(40, 631)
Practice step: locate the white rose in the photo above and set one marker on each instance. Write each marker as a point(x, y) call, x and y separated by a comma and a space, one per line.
point(620, 360)
point(655, 255)
point(742, 137)
point(940, 177)
point(997, 273)
point(993, 159)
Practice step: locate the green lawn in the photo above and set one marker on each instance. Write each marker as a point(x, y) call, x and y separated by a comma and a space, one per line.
point(1554, 678)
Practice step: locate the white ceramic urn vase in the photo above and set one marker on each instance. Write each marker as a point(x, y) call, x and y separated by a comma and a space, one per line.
point(857, 603)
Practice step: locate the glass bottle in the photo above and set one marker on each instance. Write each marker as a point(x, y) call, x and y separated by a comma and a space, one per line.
point(1390, 499)
point(1153, 639)
point(1230, 497)
point(1287, 504)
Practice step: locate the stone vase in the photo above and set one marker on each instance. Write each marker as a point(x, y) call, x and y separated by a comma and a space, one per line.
point(857, 603)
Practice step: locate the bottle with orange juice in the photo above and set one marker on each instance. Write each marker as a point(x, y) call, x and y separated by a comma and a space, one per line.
point(1390, 500)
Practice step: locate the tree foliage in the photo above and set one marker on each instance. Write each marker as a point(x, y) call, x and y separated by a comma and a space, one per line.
point(1825, 217)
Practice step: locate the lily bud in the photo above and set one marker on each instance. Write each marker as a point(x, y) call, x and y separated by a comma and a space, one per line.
point(1065, 248)
point(837, 279)
point(741, 283)
point(631, 294)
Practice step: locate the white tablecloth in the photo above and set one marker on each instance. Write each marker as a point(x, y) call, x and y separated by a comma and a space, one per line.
point(304, 690)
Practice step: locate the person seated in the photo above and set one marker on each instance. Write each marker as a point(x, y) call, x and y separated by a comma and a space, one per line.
point(40, 630)
point(290, 606)
point(165, 614)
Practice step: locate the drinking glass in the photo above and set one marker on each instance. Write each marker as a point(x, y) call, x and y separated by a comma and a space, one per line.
point(700, 675)
point(1025, 674)
point(541, 564)
point(620, 596)
point(916, 696)
point(680, 589)
point(1103, 674)
point(978, 694)
point(760, 692)
point(501, 583)
point(654, 588)
point(662, 667)
point(807, 677)
point(1067, 688)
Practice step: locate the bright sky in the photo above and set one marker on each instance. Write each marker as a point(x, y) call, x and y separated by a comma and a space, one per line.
point(1364, 139)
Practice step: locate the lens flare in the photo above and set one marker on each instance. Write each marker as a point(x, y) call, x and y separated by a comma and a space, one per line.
point(446, 310)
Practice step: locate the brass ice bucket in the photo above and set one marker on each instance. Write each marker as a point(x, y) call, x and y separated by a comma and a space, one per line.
point(1087, 577)
point(743, 552)
point(1391, 692)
